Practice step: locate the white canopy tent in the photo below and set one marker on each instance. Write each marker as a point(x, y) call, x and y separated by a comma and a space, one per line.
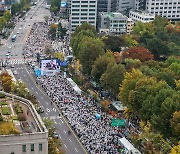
point(74, 86)
point(129, 148)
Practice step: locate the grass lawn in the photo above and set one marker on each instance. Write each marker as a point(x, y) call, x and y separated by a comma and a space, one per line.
point(6, 110)
point(3, 103)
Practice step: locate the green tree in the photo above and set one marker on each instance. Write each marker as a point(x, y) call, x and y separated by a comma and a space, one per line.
point(2, 23)
point(113, 77)
point(157, 47)
point(100, 65)
point(55, 6)
point(76, 39)
point(84, 26)
point(89, 50)
point(129, 84)
point(160, 23)
point(113, 43)
point(175, 124)
point(7, 15)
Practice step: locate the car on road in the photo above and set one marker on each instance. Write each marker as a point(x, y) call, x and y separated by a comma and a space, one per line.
point(9, 51)
point(8, 57)
point(12, 66)
point(17, 32)
point(15, 72)
point(55, 135)
point(7, 54)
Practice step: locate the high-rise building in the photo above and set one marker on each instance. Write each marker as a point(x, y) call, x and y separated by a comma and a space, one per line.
point(106, 5)
point(165, 8)
point(124, 6)
point(83, 11)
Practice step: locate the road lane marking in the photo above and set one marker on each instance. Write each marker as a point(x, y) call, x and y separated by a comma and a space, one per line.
point(57, 109)
point(70, 140)
point(65, 146)
point(32, 88)
point(64, 131)
point(47, 103)
point(76, 150)
point(60, 124)
point(42, 98)
point(61, 121)
point(46, 113)
point(36, 92)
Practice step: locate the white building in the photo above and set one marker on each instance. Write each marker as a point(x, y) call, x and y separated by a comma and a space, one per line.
point(33, 137)
point(113, 23)
point(165, 8)
point(83, 11)
point(141, 16)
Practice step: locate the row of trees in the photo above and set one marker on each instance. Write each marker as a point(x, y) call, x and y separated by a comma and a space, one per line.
point(4, 20)
point(18, 87)
point(19, 7)
point(149, 88)
point(54, 144)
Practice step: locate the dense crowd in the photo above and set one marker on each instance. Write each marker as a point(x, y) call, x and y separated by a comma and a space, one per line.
point(96, 135)
point(38, 40)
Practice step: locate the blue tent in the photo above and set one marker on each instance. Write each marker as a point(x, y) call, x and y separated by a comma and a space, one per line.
point(98, 116)
point(38, 72)
point(64, 64)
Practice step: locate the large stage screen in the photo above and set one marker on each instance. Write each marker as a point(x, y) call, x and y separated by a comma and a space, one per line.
point(49, 65)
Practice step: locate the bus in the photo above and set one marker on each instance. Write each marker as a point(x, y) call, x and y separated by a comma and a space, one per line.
point(13, 38)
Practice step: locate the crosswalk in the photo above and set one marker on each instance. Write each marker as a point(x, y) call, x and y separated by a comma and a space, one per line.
point(20, 61)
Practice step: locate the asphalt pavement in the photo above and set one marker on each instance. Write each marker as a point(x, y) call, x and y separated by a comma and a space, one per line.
point(70, 143)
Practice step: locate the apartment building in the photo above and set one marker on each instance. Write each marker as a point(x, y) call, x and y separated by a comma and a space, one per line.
point(83, 11)
point(32, 136)
point(165, 8)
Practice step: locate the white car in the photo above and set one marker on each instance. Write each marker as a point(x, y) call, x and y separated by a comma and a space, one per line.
point(17, 32)
point(7, 54)
point(15, 73)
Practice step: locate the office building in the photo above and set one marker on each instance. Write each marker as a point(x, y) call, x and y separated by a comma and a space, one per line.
point(106, 5)
point(165, 8)
point(31, 136)
point(113, 23)
point(123, 6)
point(141, 16)
point(83, 11)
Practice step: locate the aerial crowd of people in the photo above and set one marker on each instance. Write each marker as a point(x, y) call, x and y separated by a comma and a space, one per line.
point(39, 39)
point(96, 135)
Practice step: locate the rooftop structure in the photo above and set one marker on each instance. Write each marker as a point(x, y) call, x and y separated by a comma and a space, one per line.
point(28, 132)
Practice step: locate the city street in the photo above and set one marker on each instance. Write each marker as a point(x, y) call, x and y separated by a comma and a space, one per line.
point(69, 142)
point(15, 57)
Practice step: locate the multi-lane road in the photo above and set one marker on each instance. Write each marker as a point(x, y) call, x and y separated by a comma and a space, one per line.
point(70, 143)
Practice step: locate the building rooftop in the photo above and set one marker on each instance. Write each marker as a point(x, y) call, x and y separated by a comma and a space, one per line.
point(20, 114)
point(114, 15)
